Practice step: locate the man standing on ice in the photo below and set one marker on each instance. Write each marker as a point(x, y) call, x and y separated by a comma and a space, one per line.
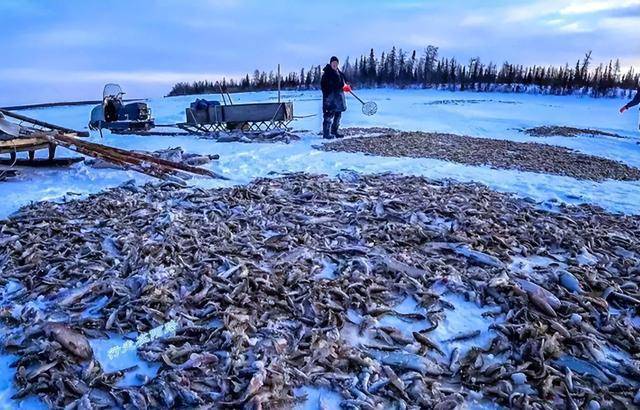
point(632, 103)
point(333, 85)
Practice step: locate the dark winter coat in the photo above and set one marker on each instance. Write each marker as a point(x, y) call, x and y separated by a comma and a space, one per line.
point(635, 101)
point(333, 99)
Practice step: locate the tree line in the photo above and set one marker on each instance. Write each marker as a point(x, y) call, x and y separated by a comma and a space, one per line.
point(400, 69)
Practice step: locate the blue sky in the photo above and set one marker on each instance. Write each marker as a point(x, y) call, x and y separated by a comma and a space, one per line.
point(66, 50)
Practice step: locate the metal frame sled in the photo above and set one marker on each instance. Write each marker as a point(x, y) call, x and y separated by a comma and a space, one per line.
point(210, 116)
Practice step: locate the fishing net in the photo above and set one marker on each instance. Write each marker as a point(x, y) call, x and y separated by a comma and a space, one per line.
point(369, 108)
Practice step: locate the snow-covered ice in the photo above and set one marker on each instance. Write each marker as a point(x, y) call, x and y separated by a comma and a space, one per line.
point(125, 360)
point(407, 327)
point(328, 270)
point(465, 317)
point(488, 116)
point(318, 398)
point(7, 388)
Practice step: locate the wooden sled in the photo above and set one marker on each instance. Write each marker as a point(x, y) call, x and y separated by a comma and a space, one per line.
point(21, 135)
point(16, 137)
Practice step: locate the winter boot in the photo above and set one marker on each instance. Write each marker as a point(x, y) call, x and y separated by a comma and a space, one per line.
point(326, 127)
point(336, 125)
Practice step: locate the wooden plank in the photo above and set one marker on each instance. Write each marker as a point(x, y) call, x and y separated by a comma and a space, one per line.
point(23, 144)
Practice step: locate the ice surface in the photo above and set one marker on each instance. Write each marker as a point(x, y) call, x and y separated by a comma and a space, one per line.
point(134, 377)
point(318, 398)
point(39, 306)
point(407, 327)
point(10, 288)
point(7, 388)
point(7, 373)
point(529, 264)
point(328, 270)
point(586, 258)
point(402, 109)
point(351, 334)
point(492, 115)
point(476, 401)
point(535, 266)
point(464, 318)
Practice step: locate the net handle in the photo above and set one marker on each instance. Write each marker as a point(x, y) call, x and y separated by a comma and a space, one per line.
point(357, 98)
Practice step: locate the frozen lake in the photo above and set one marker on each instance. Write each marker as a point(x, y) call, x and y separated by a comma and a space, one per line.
point(493, 115)
point(489, 115)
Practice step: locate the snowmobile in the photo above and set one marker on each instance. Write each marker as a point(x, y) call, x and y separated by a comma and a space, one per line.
point(118, 117)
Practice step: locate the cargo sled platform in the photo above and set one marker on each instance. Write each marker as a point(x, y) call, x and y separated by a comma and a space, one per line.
point(204, 116)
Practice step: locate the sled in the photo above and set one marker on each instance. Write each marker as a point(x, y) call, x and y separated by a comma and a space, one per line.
point(209, 116)
point(26, 135)
point(30, 145)
point(15, 137)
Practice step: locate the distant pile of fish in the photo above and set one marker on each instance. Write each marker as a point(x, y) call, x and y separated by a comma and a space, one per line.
point(278, 135)
point(496, 153)
point(368, 131)
point(563, 131)
point(242, 272)
point(470, 101)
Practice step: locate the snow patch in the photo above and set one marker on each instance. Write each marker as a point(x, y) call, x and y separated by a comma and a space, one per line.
point(529, 265)
point(126, 360)
point(464, 318)
point(7, 388)
point(328, 270)
point(318, 398)
point(477, 401)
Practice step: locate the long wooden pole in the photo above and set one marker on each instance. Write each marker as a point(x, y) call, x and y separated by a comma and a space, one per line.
point(127, 163)
point(144, 163)
point(278, 83)
point(146, 157)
